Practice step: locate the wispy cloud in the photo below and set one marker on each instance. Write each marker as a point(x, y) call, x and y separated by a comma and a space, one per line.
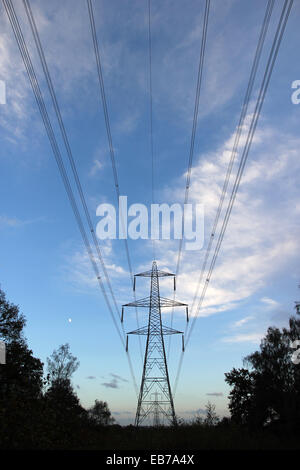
point(15, 222)
point(128, 123)
point(10, 221)
point(242, 322)
point(244, 338)
point(77, 268)
point(120, 413)
point(112, 384)
point(262, 236)
point(270, 302)
point(72, 64)
point(96, 167)
point(118, 377)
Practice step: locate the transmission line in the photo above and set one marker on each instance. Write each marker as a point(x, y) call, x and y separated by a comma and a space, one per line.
point(40, 50)
point(151, 113)
point(110, 142)
point(239, 130)
point(259, 103)
point(192, 143)
point(53, 142)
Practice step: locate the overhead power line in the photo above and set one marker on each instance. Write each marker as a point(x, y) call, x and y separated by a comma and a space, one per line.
point(192, 143)
point(151, 114)
point(41, 54)
point(259, 103)
point(110, 142)
point(40, 50)
point(239, 130)
point(260, 100)
point(53, 142)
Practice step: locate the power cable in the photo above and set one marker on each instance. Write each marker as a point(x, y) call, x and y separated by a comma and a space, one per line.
point(45, 117)
point(192, 143)
point(40, 50)
point(263, 89)
point(151, 113)
point(110, 142)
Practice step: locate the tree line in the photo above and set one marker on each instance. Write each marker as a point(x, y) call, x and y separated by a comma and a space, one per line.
point(42, 410)
point(38, 411)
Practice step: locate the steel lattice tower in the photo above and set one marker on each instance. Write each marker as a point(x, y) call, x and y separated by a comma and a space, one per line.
point(155, 378)
point(156, 410)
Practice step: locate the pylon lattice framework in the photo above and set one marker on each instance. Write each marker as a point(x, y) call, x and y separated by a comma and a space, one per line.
point(155, 378)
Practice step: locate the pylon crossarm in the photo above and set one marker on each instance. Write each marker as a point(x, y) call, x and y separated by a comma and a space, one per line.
point(152, 408)
point(165, 413)
point(145, 302)
point(159, 273)
point(170, 331)
point(164, 302)
point(165, 331)
point(150, 381)
point(159, 402)
point(140, 331)
point(164, 390)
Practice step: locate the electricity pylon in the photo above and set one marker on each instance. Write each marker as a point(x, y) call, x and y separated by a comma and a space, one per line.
point(155, 376)
point(156, 410)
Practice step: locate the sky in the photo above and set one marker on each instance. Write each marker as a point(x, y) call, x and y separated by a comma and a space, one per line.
point(43, 265)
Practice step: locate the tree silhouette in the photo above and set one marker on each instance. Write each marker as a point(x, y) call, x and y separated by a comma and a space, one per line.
point(242, 397)
point(267, 390)
point(22, 374)
point(11, 321)
point(100, 414)
point(60, 395)
point(33, 416)
point(21, 379)
point(211, 417)
point(61, 364)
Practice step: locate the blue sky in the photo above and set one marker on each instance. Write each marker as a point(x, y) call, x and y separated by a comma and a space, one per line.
point(44, 267)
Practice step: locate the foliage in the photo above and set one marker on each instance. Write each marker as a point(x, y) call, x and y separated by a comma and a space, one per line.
point(22, 374)
point(61, 364)
point(211, 418)
point(11, 321)
point(21, 379)
point(38, 413)
point(267, 391)
point(100, 414)
point(61, 396)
